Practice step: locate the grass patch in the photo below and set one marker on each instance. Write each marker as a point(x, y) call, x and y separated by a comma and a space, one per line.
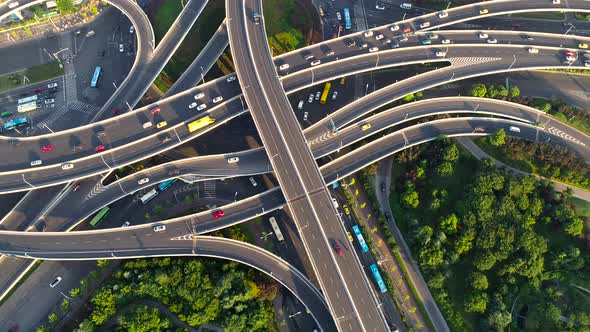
point(35, 266)
point(285, 28)
point(34, 74)
point(499, 155)
point(581, 206)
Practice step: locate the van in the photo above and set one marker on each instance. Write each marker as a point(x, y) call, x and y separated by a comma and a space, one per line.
point(406, 5)
point(514, 129)
point(90, 33)
point(36, 162)
point(147, 125)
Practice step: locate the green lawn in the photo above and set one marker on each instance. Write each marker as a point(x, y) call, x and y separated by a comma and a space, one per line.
point(581, 206)
point(34, 74)
point(497, 154)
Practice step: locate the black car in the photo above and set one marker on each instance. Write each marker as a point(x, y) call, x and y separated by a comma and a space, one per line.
point(349, 42)
point(387, 216)
point(382, 187)
point(101, 54)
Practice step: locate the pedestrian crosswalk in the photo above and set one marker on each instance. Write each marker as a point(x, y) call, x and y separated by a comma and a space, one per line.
point(76, 106)
point(66, 44)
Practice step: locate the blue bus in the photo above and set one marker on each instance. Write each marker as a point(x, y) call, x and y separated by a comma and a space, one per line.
point(378, 279)
point(164, 185)
point(360, 238)
point(13, 124)
point(95, 77)
point(347, 23)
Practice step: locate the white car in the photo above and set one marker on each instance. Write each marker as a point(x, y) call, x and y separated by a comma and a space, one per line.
point(159, 228)
point(52, 85)
point(394, 27)
point(483, 35)
point(315, 63)
point(300, 105)
point(556, 2)
point(13, 4)
point(253, 182)
point(126, 224)
point(433, 36)
point(443, 14)
point(373, 49)
point(36, 162)
point(121, 48)
point(217, 99)
point(441, 54)
point(514, 129)
point(368, 34)
point(192, 105)
point(55, 282)
point(147, 125)
point(131, 29)
point(587, 63)
point(335, 95)
point(67, 166)
point(335, 203)
point(143, 181)
point(305, 115)
point(233, 160)
point(492, 41)
point(230, 79)
point(49, 101)
point(199, 95)
point(378, 37)
point(424, 25)
point(317, 95)
point(533, 50)
point(338, 16)
point(310, 99)
point(445, 41)
point(201, 107)
point(284, 66)
point(379, 6)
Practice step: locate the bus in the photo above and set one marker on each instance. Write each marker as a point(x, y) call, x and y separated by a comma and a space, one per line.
point(22, 108)
point(325, 93)
point(96, 77)
point(359, 236)
point(377, 276)
point(347, 23)
point(99, 216)
point(27, 100)
point(16, 123)
point(148, 196)
point(164, 185)
point(200, 123)
point(276, 229)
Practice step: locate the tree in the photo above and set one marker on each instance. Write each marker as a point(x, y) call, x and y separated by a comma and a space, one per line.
point(445, 168)
point(552, 313)
point(451, 153)
point(65, 6)
point(478, 90)
point(502, 91)
point(478, 281)
point(492, 91)
point(448, 224)
point(514, 91)
point(484, 261)
point(437, 281)
point(574, 226)
point(476, 302)
point(86, 326)
point(498, 138)
point(409, 98)
point(144, 319)
point(410, 197)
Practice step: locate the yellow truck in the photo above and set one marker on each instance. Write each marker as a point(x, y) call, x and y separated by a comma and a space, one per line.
point(200, 123)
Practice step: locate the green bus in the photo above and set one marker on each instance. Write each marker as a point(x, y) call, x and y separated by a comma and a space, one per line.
point(99, 216)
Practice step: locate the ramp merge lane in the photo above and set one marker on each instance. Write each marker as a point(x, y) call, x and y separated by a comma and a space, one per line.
point(347, 291)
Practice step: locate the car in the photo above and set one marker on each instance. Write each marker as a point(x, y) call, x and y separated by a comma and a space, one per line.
point(217, 99)
point(350, 238)
point(147, 125)
point(49, 101)
point(424, 25)
point(342, 80)
point(395, 45)
point(433, 36)
point(77, 147)
point(131, 29)
point(373, 49)
point(334, 95)
point(121, 48)
point(483, 35)
point(407, 30)
point(383, 187)
point(338, 16)
point(426, 42)
point(13, 4)
point(284, 66)
point(55, 282)
point(443, 14)
point(159, 228)
point(39, 89)
point(492, 41)
point(315, 63)
point(346, 209)
point(230, 79)
point(587, 63)
point(233, 160)
point(308, 56)
point(126, 224)
point(349, 42)
point(99, 148)
point(161, 124)
point(379, 37)
point(386, 41)
point(527, 37)
point(441, 54)
point(199, 95)
point(317, 95)
point(36, 162)
point(583, 45)
point(379, 6)
point(406, 5)
point(338, 249)
point(570, 58)
point(533, 50)
point(101, 54)
point(394, 27)
point(218, 214)
point(143, 181)
point(364, 45)
point(201, 107)
point(483, 11)
point(50, 106)
point(445, 41)
point(46, 148)
point(252, 181)
point(192, 105)
point(76, 187)
point(403, 39)
point(310, 99)
point(166, 139)
point(387, 216)
point(514, 129)
point(257, 18)
point(366, 126)
point(90, 33)
point(335, 202)
point(556, 2)
point(52, 85)
point(305, 116)
point(368, 34)
point(300, 104)
point(6, 114)
point(569, 53)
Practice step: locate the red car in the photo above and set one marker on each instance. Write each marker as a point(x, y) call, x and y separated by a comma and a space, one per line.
point(46, 148)
point(218, 214)
point(155, 111)
point(99, 148)
point(407, 30)
point(569, 53)
point(338, 249)
point(40, 89)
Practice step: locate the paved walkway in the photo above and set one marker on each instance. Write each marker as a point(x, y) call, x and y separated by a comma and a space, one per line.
point(480, 154)
point(384, 176)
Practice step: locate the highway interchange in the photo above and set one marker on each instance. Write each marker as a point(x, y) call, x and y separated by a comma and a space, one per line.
point(128, 141)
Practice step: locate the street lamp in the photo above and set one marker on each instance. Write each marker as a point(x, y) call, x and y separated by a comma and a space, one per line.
point(263, 237)
point(295, 314)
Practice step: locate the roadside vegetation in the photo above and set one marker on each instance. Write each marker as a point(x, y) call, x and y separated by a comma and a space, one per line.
point(496, 250)
point(30, 75)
